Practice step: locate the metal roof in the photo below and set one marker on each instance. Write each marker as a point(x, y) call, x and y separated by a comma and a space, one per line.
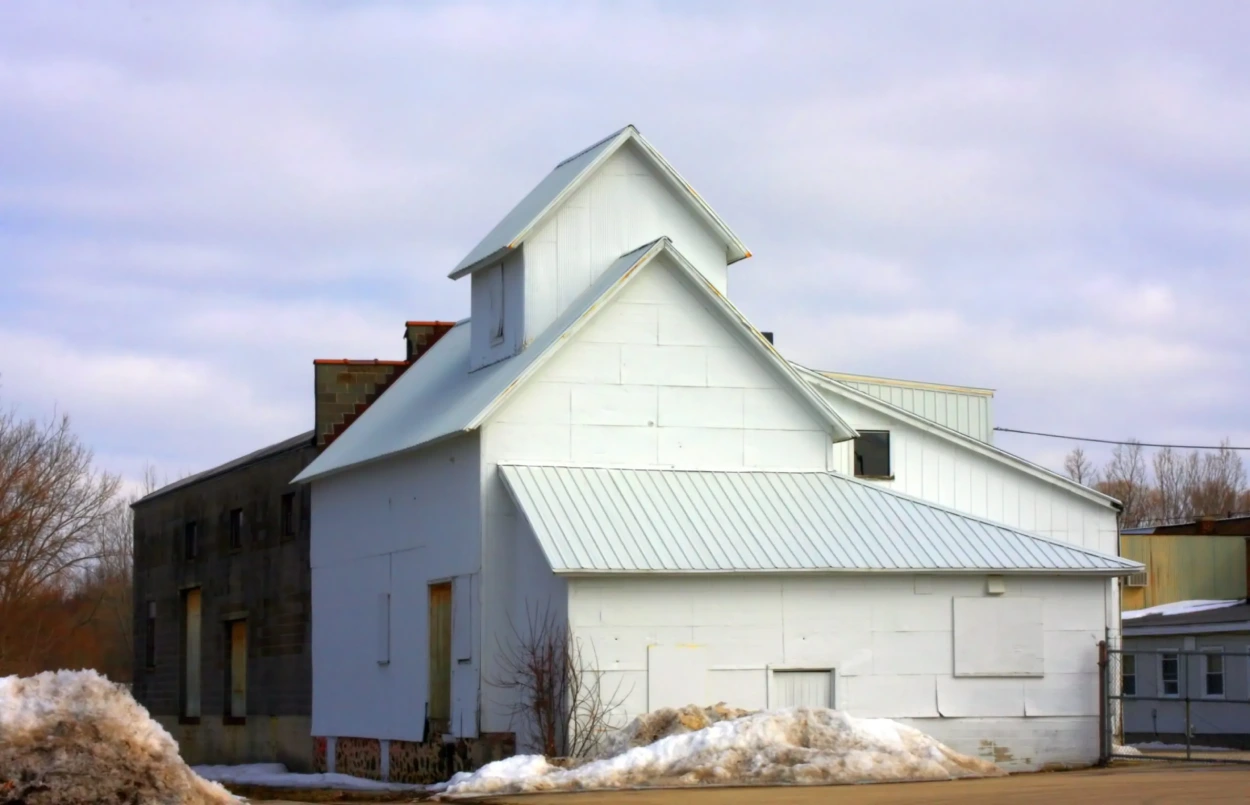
point(293, 443)
point(439, 397)
point(603, 520)
point(563, 180)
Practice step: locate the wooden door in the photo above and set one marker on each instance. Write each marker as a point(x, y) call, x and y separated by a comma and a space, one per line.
point(191, 654)
point(440, 654)
point(238, 669)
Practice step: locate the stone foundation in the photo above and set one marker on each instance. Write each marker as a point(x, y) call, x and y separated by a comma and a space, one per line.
point(409, 761)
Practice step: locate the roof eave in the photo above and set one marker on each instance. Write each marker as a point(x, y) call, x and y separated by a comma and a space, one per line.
point(973, 571)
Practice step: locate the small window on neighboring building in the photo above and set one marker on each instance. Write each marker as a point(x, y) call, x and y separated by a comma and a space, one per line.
point(872, 454)
point(236, 529)
point(190, 540)
point(149, 637)
point(288, 514)
point(1213, 672)
point(1169, 675)
point(1128, 674)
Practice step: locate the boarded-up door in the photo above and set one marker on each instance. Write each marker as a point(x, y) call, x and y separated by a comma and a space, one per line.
point(440, 653)
point(191, 654)
point(802, 689)
point(238, 669)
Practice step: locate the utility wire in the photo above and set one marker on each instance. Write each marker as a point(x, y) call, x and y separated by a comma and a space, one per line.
point(1113, 441)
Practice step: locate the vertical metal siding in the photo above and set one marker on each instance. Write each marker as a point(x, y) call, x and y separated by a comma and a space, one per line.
point(1185, 568)
point(440, 651)
point(968, 414)
point(802, 689)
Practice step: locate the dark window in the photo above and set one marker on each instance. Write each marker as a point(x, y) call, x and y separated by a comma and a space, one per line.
point(1128, 674)
point(288, 514)
point(190, 541)
point(236, 529)
point(1213, 670)
point(149, 644)
point(872, 454)
point(1169, 672)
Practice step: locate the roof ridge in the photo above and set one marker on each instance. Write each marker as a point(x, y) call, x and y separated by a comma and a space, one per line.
point(593, 146)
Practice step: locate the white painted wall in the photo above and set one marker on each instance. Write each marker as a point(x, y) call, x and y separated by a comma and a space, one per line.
point(888, 639)
point(655, 380)
point(624, 205)
point(391, 527)
point(935, 469)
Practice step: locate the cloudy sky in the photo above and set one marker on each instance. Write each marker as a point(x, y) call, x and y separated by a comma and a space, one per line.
point(1050, 199)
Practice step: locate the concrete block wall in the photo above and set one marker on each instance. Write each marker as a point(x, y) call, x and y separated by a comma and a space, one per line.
point(345, 388)
point(267, 579)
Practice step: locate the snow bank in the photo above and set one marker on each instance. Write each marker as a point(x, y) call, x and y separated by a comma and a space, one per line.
point(784, 746)
point(275, 775)
point(1156, 746)
point(1178, 608)
point(71, 737)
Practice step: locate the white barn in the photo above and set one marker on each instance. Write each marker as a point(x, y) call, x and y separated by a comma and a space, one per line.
point(609, 437)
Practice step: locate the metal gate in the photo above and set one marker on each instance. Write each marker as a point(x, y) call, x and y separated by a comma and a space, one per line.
point(1187, 704)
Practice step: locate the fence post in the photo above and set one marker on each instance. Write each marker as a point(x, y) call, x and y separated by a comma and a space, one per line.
point(1104, 740)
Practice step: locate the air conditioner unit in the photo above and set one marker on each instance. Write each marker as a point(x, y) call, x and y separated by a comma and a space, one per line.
point(1139, 579)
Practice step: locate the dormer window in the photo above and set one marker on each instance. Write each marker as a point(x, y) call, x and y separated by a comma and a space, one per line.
point(494, 285)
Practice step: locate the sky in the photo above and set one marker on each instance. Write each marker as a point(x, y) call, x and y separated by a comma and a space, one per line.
point(1050, 199)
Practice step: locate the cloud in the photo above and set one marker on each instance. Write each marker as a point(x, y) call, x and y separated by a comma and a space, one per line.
point(196, 200)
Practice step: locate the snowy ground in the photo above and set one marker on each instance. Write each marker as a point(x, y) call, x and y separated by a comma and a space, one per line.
point(1178, 608)
point(275, 775)
point(1162, 747)
point(785, 746)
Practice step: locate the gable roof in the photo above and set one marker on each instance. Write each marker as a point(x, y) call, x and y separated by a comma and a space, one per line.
point(439, 397)
point(294, 443)
point(602, 520)
point(564, 180)
point(951, 435)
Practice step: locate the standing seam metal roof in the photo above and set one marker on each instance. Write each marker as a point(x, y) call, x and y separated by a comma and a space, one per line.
point(607, 520)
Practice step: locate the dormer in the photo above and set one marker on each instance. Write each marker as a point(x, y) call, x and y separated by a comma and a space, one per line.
point(593, 207)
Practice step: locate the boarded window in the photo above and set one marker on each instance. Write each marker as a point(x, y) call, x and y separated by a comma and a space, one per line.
point(236, 529)
point(462, 619)
point(872, 454)
point(802, 689)
point(287, 523)
point(191, 654)
point(149, 637)
point(440, 653)
point(1000, 637)
point(190, 540)
point(236, 670)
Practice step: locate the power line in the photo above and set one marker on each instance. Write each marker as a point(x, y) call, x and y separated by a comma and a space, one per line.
point(1113, 441)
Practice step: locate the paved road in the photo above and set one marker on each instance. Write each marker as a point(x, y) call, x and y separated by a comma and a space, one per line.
point(1138, 785)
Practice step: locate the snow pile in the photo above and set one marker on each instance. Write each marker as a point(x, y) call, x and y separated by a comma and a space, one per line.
point(276, 775)
point(1179, 608)
point(1124, 751)
point(649, 728)
point(72, 737)
point(800, 746)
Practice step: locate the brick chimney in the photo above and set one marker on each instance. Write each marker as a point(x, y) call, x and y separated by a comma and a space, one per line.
point(421, 335)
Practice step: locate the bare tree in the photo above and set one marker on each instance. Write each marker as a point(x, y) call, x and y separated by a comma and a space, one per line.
point(553, 687)
point(1125, 479)
point(1079, 467)
point(1171, 498)
point(1217, 482)
point(52, 507)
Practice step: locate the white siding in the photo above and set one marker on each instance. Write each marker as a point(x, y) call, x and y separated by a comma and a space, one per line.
point(390, 528)
point(936, 469)
point(630, 390)
point(887, 639)
point(623, 206)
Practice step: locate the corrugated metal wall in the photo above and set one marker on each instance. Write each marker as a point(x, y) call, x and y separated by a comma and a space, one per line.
point(1185, 568)
point(969, 412)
